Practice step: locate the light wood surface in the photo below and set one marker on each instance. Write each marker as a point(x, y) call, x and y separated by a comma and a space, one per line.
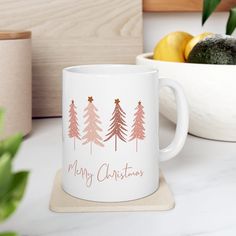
point(7, 35)
point(16, 86)
point(72, 32)
point(182, 5)
point(62, 202)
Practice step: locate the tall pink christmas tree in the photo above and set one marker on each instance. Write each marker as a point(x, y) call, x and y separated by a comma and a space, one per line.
point(73, 126)
point(92, 125)
point(138, 130)
point(117, 126)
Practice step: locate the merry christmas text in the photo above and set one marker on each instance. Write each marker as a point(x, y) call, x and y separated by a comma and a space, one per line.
point(104, 173)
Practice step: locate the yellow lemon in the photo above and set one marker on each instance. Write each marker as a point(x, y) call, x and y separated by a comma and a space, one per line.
point(193, 42)
point(172, 47)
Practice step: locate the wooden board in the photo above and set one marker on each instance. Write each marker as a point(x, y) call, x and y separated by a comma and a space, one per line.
point(62, 202)
point(182, 5)
point(72, 32)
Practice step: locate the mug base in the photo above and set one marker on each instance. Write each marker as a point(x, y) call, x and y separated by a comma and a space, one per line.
point(109, 201)
point(62, 202)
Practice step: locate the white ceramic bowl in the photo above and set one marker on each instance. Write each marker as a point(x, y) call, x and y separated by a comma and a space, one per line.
point(210, 91)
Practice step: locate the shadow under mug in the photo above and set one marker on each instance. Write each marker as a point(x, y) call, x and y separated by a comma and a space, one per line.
point(111, 131)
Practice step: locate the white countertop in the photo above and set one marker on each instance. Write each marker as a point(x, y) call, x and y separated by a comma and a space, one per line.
point(202, 178)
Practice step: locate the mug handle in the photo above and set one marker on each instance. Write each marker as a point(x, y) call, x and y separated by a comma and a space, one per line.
point(182, 120)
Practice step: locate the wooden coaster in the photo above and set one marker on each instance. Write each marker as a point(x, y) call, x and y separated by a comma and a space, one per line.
point(62, 202)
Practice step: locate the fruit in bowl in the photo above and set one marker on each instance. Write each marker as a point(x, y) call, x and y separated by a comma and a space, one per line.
point(193, 42)
point(209, 85)
point(215, 49)
point(172, 47)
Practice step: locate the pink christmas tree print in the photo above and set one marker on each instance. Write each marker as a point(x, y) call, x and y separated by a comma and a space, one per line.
point(73, 123)
point(117, 126)
point(138, 130)
point(92, 126)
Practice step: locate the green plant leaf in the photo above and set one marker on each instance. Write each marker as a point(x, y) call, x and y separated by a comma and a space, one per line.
point(231, 23)
point(10, 145)
point(10, 201)
point(9, 234)
point(18, 184)
point(208, 7)
point(5, 174)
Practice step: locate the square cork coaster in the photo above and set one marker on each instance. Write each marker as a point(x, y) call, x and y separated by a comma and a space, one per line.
point(60, 201)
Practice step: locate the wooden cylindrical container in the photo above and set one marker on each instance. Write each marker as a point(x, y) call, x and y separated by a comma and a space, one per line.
point(16, 82)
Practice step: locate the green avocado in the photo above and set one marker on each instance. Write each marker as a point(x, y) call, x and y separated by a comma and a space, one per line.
point(216, 49)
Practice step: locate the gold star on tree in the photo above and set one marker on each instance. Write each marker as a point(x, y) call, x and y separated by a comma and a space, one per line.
point(117, 101)
point(90, 99)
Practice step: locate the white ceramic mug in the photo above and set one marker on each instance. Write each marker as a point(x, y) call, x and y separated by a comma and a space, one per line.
point(110, 131)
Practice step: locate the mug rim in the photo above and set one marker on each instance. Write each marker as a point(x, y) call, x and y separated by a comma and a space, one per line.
point(118, 69)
